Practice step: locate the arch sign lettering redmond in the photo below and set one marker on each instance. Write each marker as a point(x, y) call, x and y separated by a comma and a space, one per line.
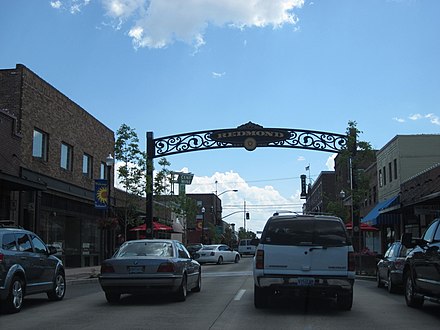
point(250, 136)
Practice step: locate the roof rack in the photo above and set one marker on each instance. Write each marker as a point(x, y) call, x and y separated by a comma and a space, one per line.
point(285, 211)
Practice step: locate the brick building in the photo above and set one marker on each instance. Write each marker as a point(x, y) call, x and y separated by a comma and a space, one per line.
point(54, 152)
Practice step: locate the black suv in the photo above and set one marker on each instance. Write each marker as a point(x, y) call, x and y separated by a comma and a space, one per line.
point(421, 272)
point(27, 266)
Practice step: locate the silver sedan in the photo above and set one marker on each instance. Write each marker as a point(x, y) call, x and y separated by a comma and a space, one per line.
point(156, 265)
point(216, 253)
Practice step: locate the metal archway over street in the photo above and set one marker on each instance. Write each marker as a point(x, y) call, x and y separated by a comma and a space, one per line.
point(249, 136)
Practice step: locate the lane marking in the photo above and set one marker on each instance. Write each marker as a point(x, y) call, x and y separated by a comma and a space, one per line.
point(239, 294)
point(221, 274)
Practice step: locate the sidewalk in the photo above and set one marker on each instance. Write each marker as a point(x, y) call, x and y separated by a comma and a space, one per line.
point(82, 275)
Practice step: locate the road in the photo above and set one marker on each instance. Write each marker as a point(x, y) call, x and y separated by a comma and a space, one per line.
point(225, 302)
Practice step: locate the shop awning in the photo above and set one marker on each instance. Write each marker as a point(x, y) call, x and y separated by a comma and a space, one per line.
point(364, 227)
point(377, 215)
point(156, 226)
point(14, 183)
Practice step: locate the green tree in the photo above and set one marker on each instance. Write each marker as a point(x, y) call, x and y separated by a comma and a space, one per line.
point(131, 172)
point(362, 155)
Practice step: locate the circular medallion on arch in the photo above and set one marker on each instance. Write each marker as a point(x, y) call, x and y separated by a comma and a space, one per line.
point(250, 144)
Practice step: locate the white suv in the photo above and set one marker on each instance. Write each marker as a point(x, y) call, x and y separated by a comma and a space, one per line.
point(304, 255)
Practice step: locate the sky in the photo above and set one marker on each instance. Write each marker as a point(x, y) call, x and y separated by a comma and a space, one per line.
point(178, 66)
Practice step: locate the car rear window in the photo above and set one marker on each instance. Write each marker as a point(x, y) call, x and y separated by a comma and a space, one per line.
point(139, 249)
point(304, 232)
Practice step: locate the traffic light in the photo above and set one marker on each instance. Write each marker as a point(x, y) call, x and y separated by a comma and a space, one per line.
point(247, 216)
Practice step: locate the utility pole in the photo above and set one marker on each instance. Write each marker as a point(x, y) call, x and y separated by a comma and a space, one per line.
point(244, 215)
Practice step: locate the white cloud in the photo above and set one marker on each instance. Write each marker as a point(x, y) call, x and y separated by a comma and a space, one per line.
point(218, 75)
point(330, 163)
point(56, 4)
point(433, 118)
point(158, 23)
point(301, 158)
point(415, 116)
point(399, 120)
point(73, 6)
point(261, 202)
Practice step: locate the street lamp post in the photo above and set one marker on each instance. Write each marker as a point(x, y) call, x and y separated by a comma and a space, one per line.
point(202, 236)
point(109, 161)
point(223, 192)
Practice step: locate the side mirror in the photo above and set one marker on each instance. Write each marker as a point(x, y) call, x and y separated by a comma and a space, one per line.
point(408, 241)
point(255, 241)
point(52, 249)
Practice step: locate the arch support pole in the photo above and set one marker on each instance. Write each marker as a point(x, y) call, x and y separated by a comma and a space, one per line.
point(149, 186)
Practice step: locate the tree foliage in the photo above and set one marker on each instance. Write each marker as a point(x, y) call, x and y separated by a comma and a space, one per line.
point(131, 172)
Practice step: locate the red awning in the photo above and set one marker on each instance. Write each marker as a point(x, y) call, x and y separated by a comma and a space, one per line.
point(364, 227)
point(156, 226)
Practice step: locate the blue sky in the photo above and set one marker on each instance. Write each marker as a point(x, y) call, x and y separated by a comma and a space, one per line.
point(174, 66)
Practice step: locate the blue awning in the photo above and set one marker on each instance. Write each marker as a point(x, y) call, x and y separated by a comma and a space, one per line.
point(375, 217)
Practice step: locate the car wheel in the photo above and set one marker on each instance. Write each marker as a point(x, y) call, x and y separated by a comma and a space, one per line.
point(14, 301)
point(59, 288)
point(261, 299)
point(198, 286)
point(410, 295)
point(220, 260)
point(237, 259)
point(112, 297)
point(391, 286)
point(344, 300)
point(182, 291)
point(378, 280)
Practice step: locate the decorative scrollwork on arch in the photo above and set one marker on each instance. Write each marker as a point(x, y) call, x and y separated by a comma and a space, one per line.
point(236, 137)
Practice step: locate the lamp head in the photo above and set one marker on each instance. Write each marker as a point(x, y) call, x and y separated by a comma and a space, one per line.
point(109, 160)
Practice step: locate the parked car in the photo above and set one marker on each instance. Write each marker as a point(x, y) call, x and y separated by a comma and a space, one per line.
point(247, 246)
point(27, 266)
point(150, 265)
point(389, 270)
point(216, 253)
point(193, 248)
point(304, 255)
point(421, 273)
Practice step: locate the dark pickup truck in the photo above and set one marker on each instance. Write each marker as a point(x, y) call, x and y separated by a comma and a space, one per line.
point(421, 272)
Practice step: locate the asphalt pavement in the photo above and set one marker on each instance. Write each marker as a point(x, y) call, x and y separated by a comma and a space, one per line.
point(82, 274)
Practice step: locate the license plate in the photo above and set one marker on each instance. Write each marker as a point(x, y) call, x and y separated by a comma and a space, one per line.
point(306, 281)
point(135, 269)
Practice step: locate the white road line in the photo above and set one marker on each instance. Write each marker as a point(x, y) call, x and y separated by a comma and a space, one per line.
point(239, 294)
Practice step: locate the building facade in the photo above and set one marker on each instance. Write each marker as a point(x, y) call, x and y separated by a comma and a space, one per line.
point(402, 158)
point(420, 200)
point(48, 169)
point(320, 193)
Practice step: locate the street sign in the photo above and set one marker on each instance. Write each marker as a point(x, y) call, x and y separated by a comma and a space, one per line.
point(185, 178)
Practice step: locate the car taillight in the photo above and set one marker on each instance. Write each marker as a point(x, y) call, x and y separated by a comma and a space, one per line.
point(166, 267)
point(259, 259)
point(351, 262)
point(107, 268)
point(2, 257)
point(399, 264)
